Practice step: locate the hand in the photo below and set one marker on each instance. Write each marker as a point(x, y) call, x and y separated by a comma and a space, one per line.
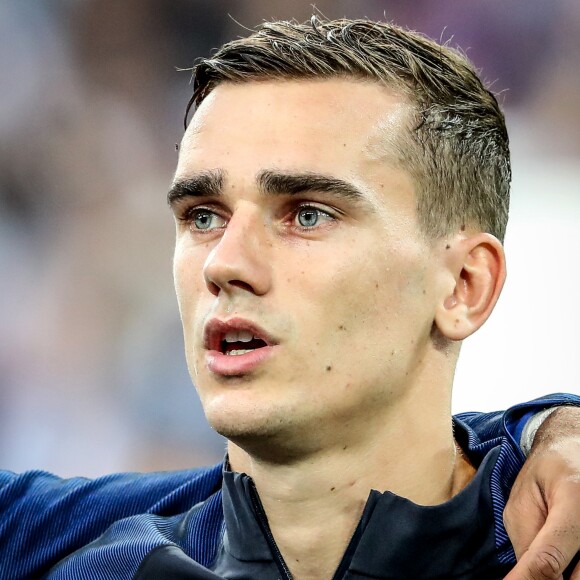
point(542, 516)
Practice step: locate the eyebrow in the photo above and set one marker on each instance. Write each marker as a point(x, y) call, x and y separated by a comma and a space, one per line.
point(204, 184)
point(271, 182)
point(280, 183)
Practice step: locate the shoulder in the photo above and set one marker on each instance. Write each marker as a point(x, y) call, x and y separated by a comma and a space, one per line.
point(44, 518)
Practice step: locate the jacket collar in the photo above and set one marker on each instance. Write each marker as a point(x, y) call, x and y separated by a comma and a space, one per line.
point(395, 537)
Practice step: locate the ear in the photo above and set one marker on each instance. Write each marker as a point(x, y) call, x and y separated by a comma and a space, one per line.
point(477, 268)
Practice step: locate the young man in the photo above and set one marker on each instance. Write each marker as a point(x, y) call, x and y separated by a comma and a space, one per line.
point(340, 200)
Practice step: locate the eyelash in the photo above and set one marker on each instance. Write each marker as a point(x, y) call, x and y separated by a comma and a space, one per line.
point(318, 210)
point(190, 214)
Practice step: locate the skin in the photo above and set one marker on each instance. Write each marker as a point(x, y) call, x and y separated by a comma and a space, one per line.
point(366, 312)
point(543, 514)
point(370, 247)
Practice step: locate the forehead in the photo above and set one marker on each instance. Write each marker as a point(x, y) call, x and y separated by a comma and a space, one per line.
point(315, 125)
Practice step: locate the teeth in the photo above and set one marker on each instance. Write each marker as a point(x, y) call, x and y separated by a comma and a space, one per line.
point(232, 336)
point(245, 336)
point(238, 336)
point(237, 352)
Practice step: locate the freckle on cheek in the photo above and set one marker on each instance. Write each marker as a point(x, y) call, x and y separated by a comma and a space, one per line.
point(328, 368)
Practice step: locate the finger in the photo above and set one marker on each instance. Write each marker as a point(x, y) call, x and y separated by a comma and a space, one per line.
point(553, 549)
point(535, 567)
point(524, 516)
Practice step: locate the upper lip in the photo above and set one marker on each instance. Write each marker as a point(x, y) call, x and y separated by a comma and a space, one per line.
point(215, 331)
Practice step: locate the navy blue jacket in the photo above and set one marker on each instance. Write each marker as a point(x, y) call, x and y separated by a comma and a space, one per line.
point(209, 523)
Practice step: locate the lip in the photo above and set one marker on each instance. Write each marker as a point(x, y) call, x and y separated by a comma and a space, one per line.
point(234, 365)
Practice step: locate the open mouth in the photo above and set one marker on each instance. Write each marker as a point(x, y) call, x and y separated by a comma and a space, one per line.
point(236, 347)
point(235, 337)
point(239, 342)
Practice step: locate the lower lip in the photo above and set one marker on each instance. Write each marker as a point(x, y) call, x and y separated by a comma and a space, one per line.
point(236, 364)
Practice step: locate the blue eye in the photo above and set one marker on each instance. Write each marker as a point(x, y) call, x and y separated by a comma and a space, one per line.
point(203, 219)
point(308, 216)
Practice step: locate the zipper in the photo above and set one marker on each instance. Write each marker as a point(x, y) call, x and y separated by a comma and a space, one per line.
point(263, 521)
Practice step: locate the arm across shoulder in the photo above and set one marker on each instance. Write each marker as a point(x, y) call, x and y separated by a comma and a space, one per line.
point(45, 519)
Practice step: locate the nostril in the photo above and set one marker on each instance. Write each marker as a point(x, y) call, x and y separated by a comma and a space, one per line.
point(242, 285)
point(213, 288)
point(216, 288)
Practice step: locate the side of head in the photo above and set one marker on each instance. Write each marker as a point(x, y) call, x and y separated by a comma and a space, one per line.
point(456, 148)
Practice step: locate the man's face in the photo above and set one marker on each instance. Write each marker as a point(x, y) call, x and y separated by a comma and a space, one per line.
point(297, 229)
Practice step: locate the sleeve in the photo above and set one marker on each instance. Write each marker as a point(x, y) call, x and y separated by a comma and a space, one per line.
point(44, 518)
point(511, 423)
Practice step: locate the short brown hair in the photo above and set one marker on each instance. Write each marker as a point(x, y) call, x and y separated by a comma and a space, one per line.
point(458, 153)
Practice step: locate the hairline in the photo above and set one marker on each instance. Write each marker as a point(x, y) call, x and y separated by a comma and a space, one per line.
point(440, 126)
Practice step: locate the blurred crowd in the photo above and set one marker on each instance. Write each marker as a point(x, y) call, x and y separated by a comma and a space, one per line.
point(92, 372)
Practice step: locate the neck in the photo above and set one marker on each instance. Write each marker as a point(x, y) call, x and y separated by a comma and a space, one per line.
point(409, 453)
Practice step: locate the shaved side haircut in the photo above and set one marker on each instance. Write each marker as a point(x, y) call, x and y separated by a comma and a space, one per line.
point(455, 144)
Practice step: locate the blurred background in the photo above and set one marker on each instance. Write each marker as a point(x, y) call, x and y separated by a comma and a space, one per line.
point(92, 372)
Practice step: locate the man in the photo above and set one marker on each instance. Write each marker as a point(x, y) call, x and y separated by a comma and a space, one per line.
point(340, 200)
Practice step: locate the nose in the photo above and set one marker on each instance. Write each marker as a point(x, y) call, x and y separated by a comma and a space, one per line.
point(239, 260)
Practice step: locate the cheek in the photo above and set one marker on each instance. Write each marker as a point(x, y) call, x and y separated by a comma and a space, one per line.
point(189, 289)
point(364, 300)
point(180, 278)
point(332, 301)
point(189, 282)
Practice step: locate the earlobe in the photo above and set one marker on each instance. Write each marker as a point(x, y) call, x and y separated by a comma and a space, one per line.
point(477, 266)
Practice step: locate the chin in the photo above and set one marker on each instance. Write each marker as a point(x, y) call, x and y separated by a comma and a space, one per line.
point(272, 432)
point(236, 423)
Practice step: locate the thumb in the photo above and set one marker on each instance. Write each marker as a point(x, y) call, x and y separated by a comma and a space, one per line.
point(552, 549)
